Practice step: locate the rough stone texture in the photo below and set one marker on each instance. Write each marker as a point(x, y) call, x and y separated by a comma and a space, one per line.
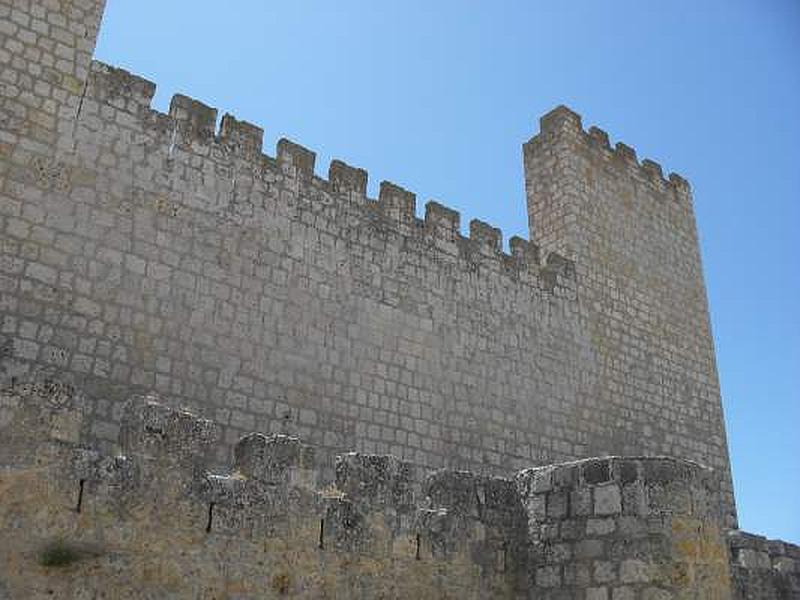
point(154, 522)
point(625, 528)
point(764, 569)
point(649, 380)
point(145, 253)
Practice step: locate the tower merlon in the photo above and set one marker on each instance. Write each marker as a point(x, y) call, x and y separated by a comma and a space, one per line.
point(119, 88)
point(194, 120)
point(560, 119)
point(600, 137)
point(653, 169)
point(294, 155)
point(396, 203)
point(488, 238)
point(242, 137)
point(344, 178)
point(682, 188)
point(626, 154)
point(441, 221)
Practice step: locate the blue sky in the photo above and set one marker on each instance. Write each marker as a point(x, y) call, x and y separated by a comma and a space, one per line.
point(438, 95)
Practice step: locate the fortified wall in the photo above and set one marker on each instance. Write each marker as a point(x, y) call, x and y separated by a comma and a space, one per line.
point(143, 252)
point(153, 522)
point(148, 251)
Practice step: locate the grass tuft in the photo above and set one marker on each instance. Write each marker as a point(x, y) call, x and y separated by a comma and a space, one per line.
point(58, 554)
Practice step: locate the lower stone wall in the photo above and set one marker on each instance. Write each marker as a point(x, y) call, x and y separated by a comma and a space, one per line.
point(625, 529)
point(764, 569)
point(153, 522)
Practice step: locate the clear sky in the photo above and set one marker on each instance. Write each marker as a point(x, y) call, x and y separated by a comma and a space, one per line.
point(438, 95)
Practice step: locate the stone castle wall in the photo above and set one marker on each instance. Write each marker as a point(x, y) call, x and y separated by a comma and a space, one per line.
point(150, 251)
point(764, 569)
point(145, 252)
point(153, 522)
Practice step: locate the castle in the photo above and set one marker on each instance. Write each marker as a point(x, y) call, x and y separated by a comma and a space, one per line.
point(438, 418)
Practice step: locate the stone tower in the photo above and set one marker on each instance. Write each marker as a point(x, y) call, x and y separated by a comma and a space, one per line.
point(46, 52)
point(650, 379)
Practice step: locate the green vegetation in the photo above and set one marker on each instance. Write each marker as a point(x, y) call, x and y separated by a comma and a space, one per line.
point(58, 553)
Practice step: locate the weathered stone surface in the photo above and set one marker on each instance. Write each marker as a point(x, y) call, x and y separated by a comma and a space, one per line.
point(669, 546)
point(156, 522)
point(150, 253)
point(147, 255)
point(273, 459)
point(764, 569)
point(632, 236)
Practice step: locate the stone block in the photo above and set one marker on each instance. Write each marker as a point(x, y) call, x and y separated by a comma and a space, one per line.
point(607, 500)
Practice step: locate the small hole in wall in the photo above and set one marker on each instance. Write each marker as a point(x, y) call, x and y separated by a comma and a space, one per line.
point(210, 517)
point(286, 422)
point(503, 562)
point(81, 484)
point(417, 554)
point(321, 544)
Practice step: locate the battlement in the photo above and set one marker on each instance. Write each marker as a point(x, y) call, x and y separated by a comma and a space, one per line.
point(562, 122)
point(207, 251)
point(629, 522)
point(428, 401)
point(190, 126)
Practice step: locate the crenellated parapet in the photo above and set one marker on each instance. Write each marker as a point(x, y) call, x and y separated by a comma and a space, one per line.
point(641, 526)
point(563, 123)
point(151, 260)
point(190, 130)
